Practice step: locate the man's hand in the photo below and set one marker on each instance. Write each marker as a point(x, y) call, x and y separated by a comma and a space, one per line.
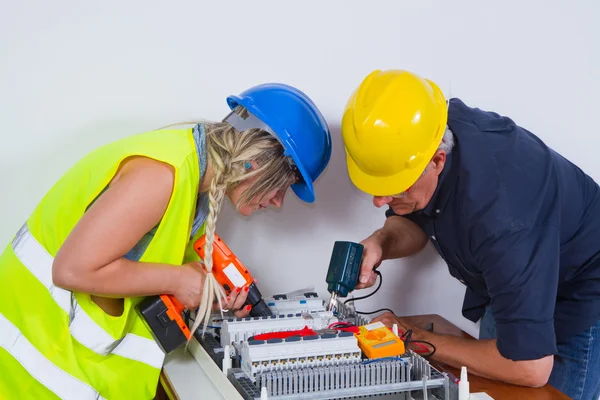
point(399, 237)
point(389, 319)
point(417, 334)
point(372, 257)
point(481, 357)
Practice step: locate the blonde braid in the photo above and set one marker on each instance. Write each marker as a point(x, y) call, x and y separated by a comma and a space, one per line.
point(228, 153)
point(211, 288)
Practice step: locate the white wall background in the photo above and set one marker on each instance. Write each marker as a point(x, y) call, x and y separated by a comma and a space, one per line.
point(75, 75)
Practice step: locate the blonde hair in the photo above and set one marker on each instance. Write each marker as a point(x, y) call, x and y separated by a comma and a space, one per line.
point(229, 153)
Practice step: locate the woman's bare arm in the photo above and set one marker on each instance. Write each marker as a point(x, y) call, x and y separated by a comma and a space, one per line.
point(91, 258)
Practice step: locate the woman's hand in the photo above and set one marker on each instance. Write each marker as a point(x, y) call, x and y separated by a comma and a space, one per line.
point(191, 282)
point(235, 302)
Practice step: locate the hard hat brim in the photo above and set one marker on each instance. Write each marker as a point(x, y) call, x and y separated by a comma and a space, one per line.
point(390, 185)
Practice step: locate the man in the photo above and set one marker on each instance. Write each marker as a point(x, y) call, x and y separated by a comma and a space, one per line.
point(517, 223)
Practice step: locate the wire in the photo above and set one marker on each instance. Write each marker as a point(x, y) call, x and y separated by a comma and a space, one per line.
point(407, 338)
point(383, 359)
point(340, 325)
point(427, 343)
point(188, 317)
point(343, 326)
point(421, 344)
point(375, 312)
point(370, 294)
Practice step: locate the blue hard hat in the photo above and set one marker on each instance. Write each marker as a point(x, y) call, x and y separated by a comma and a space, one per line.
point(298, 124)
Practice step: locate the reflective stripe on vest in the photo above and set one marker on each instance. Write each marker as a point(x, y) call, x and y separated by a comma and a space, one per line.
point(83, 328)
point(55, 379)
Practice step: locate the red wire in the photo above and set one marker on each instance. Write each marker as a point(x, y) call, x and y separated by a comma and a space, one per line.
point(349, 328)
point(415, 343)
point(338, 323)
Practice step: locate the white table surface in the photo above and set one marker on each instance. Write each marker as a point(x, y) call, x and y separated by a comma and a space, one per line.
point(194, 375)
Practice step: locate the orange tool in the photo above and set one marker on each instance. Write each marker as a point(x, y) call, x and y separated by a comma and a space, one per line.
point(163, 314)
point(377, 340)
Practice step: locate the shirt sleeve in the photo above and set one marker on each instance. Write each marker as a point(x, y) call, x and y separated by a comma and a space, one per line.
point(389, 212)
point(520, 268)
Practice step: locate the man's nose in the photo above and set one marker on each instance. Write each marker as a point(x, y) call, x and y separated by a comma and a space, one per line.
point(380, 201)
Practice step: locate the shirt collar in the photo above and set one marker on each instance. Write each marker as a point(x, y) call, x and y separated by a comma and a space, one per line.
point(446, 182)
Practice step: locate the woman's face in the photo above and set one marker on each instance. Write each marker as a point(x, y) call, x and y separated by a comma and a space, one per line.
point(274, 198)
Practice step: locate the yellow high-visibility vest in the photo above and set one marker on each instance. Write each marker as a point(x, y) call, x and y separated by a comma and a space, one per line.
point(55, 343)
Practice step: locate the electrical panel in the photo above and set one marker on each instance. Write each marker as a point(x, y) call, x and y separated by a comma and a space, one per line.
point(324, 365)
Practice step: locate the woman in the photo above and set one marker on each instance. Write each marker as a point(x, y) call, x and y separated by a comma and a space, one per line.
point(119, 226)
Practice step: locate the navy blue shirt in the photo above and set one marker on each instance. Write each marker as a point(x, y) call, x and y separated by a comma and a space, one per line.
point(519, 225)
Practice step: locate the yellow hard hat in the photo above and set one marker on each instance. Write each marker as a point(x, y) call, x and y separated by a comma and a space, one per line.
point(392, 126)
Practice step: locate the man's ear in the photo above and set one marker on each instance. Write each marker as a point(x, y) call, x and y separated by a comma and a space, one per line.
point(439, 160)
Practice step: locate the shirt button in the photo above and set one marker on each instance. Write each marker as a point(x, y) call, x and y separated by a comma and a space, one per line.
point(437, 211)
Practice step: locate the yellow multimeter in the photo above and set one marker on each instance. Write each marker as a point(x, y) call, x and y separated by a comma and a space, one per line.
point(377, 340)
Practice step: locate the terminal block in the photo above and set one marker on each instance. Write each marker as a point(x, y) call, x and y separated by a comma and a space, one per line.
point(408, 378)
point(284, 304)
point(279, 304)
point(237, 330)
point(323, 350)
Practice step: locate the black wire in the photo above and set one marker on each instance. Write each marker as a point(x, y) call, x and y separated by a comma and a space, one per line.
point(374, 312)
point(187, 317)
point(370, 294)
point(407, 338)
point(427, 343)
point(341, 325)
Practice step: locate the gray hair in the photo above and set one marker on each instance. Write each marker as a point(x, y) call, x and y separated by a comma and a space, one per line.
point(447, 143)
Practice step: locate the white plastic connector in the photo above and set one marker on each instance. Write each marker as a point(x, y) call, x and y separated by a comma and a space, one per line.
point(395, 329)
point(226, 360)
point(295, 303)
point(463, 385)
point(263, 393)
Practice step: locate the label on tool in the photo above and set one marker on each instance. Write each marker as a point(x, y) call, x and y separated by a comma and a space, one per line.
point(374, 325)
point(236, 278)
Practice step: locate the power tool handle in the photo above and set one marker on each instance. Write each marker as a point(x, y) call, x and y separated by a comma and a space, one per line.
point(174, 310)
point(230, 272)
point(227, 269)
